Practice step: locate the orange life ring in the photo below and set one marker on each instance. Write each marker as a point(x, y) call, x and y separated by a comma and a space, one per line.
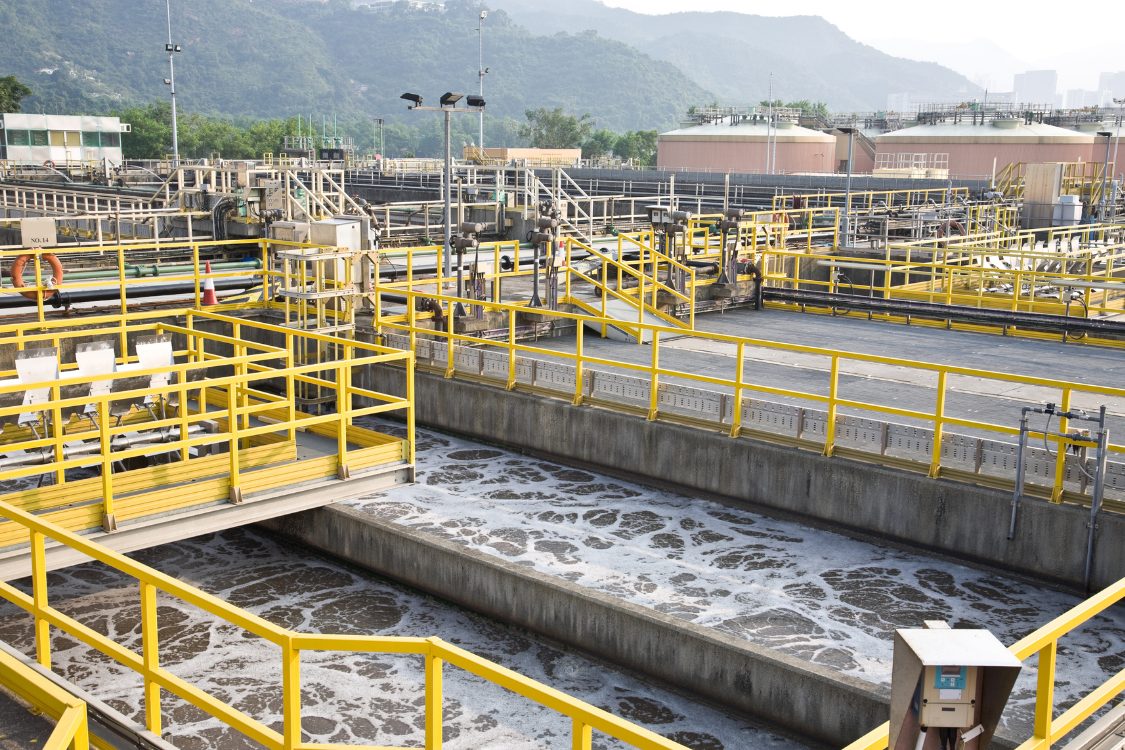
point(56, 274)
point(49, 164)
point(955, 229)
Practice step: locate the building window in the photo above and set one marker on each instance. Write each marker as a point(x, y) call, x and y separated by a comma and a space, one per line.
point(18, 138)
point(111, 140)
point(90, 139)
point(39, 138)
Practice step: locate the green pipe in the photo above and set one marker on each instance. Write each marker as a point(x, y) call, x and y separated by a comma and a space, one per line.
point(133, 271)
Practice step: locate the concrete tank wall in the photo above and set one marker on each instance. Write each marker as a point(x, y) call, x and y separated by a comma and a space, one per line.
point(973, 149)
point(801, 156)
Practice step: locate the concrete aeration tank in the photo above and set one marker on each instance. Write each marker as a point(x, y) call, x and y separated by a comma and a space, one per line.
point(742, 147)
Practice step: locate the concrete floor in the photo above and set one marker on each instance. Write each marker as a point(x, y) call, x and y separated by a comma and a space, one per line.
point(991, 401)
point(19, 728)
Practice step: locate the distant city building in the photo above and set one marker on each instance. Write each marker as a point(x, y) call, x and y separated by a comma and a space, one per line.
point(1082, 98)
point(1037, 87)
point(1114, 83)
point(58, 140)
point(411, 4)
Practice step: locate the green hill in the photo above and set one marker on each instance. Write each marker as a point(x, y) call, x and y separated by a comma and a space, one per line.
point(274, 58)
point(733, 54)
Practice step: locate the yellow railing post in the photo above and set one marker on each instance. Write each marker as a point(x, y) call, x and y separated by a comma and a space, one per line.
point(150, 654)
point(410, 409)
point(232, 428)
point(290, 695)
point(739, 366)
point(581, 735)
point(511, 350)
point(343, 408)
point(1045, 696)
point(578, 369)
point(433, 701)
point(39, 598)
point(830, 421)
point(1060, 455)
point(108, 518)
point(654, 396)
point(939, 420)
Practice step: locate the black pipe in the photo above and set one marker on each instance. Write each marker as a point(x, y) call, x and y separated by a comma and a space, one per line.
point(66, 299)
point(960, 313)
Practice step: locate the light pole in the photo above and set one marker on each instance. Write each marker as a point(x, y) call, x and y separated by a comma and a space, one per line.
point(848, 184)
point(449, 107)
point(1105, 169)
point(481, 72)
point(172, 49)
point(1116, 143)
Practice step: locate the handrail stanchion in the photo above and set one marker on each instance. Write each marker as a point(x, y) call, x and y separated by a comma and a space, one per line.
point(291, 694)
point(39, 598)
point(740, 363)
point(939, 421)
point(653, 399)
point(578, 368)
point(433, 700)
point(1045, 697)
point(830, 421)
point(150, 655)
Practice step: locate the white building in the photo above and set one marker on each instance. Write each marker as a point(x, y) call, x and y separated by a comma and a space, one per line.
point(1037, 87)
point(58, 140)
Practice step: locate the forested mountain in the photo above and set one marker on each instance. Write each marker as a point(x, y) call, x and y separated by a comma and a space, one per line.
point(274, 58)
point(733, 54)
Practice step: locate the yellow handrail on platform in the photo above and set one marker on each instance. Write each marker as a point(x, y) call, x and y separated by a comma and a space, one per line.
point(1048, 728)
point(435, 652)
point(71, 730)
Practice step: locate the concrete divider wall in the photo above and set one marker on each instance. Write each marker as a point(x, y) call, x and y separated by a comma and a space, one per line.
point(799, 697)
point(953, 518)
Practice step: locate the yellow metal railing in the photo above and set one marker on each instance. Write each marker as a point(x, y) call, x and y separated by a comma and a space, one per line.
point(71, 730)
point(872, 200)
point(434, 652)
point(416, 324)
point(637, 283)
point(238, 407)
point(1044, 642)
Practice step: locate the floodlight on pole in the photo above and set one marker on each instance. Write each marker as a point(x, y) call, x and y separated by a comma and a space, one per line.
point(481, 70)
point(848, 184)
point(172, 49)
point(448, 107)
point(1105, 172)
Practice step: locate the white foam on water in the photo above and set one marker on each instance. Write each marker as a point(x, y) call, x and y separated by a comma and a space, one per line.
point(812, 593)
point(347, 698)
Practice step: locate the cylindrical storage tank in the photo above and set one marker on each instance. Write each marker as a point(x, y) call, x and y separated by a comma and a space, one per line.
point(974, 149)
point(743, 148)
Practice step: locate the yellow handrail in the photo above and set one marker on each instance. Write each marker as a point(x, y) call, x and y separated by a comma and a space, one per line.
point(831, 402)
point(71, 728)
point(1048, 728)
point(156, 678)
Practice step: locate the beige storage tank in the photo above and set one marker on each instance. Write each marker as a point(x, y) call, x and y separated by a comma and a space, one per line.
point(974, 149)
point(742, 148)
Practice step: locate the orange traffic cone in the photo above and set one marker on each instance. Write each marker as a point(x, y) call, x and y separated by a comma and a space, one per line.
point(209, 297)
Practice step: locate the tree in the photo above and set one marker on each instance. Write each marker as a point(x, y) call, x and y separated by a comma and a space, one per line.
point(11, 93)
point(639, 145)
point(600, 144)
point(810, 107)
point(556, 129)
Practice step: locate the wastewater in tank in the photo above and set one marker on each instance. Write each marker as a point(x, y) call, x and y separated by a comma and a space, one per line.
point(369, 699)
point(817, 595)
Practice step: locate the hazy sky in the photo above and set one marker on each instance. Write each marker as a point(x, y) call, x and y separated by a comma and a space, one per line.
point(1032, 32)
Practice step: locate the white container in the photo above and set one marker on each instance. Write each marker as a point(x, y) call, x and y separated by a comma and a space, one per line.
point(1068, 211)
